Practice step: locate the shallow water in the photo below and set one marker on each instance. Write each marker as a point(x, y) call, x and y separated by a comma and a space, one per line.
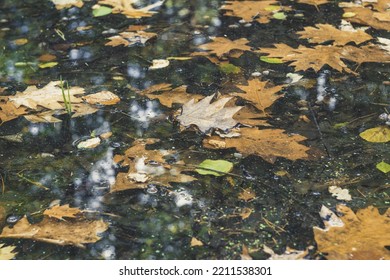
point(159, 222)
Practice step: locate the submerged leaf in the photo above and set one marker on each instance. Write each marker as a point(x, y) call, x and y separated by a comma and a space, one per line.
point(380, 134)
point(214, 167)
point(383, 166)
point(61, 211)
point(126, 8)
point(6, 252)
point(100, 11)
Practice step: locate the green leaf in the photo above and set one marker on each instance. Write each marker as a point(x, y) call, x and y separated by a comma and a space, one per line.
point(211, 167)
point(340, 125)
point(383, 166)
point(47, 64)
point(272, 60)
point(380, 134)
point(272, 8)
point(101, 11)
point(280, 16)
point(229, 68)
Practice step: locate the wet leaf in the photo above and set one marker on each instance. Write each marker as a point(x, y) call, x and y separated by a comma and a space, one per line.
point(383, 166)
point(246, 212)
point(196, 242)
point(339, 193)
point(313, 2)
point(61, 4)
point(271, 60)
point(214, 167)
point(279, 16)
point(363, 236)
point(100, 11)
point(131, 38)
point(6, 252)
point(260, 11)
point(289, 254)
point(260, 94)
point(76, 232)
point(229, 68)
point(126, 8)
point(89, 143)
point(221, 46)
point(245, 253)
point(380, 134)
point(266, 143)
point(326, 32)
point(168, 95)
point(47, 64)
point(206, 115)
point(61, 211)
point(101, 98)
point(247, 195)
point(159, 63)
point(20, 42)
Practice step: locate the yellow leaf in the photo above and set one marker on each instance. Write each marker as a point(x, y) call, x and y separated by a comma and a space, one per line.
point(6, 252)
point(126, 8)
point(380, 134)
point(196, 242)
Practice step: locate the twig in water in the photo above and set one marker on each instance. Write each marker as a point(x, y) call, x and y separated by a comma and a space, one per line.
point(39, 185)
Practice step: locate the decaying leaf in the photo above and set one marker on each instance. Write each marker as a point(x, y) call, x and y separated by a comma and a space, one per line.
point(206, 115)
point(260, 11)
point(221, 46)
point(61, 211)
point(363, 236)
point(147, 167)
point(266, 143)
point(61, 4)
point(326, 32)
point(290, 254)
point(6, 252)
point(168, 95)
point(246, 212)
point(260, 94)
point(247, 195)
point(76, 232)
point(126, 8)
point(313, 2)
point(245, 253)
point(196, 242)
point(380, 134)
point(339, 193)
point(133, 36)
point(40, 104)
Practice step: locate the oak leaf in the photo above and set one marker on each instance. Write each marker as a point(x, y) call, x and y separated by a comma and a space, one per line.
point(260, 11)
point(168, 95)
point(363, 235)
point(266, 143)
point(126, 8)
point(206, 115)
point(222, 46)
point(326, 32)
point(76, 232)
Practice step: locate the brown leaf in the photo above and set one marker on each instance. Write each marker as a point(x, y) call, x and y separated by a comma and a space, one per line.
point(75, 232)
point(196, 242)
point(245, 212)
point(102, 98)
point(259, 94)
point(327, 32)
point(6, 252)
point(290, 254)
point(260, 11)
point(247, 195)
point(169, 96)
point(61, 4)
point(126, 8)
point(362, 236)
point(59, 212)
point(266, 143)
point(8, 111)
point(221, 46)
point(130, 38)
point(245, 253)
point(368, 53)
point(206, 115)
point(313, 2)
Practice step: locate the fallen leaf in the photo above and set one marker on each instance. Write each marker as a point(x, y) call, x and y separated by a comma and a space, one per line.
point(245, 253)
point(326, 32)
point(126, 8)
point(61, 211)
point(363, 236)
point(130, 38)
point(206, 115)
point(221, 46)
point(380, 134)
point(266, 143)
point(89, 143)
point(100, 11)
point(339, 193)
point(196, 242)
point(74, 232)
point(245, 213)
point(168, 95)
point(20, 42)
point(368, 53)
point(214, 167)
point(158, 64)
point(260, 94)
point(260, 11)
point(247, 195)
point(313, 2)
point(6, 252)
point(289, 254)
point(8, 111)
point(61, 4)
point(47, 64)
point(383, 166)
point(101, 98)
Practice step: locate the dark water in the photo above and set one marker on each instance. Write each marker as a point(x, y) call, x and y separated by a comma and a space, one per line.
point(160, 221)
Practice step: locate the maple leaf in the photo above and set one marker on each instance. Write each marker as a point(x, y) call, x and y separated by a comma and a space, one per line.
point(9, 111)
point(261, 96)
point(327, 32)
point(168, 95)
point(71, 232)
point(133, 36)
point(266, 143)
point(360, 236)
point(368, 53)
point(221, 46)
point(147, 167)
point(249, 116)
point(126, 8)
point(61, 211)
point(206, 115)
point(260, 11)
